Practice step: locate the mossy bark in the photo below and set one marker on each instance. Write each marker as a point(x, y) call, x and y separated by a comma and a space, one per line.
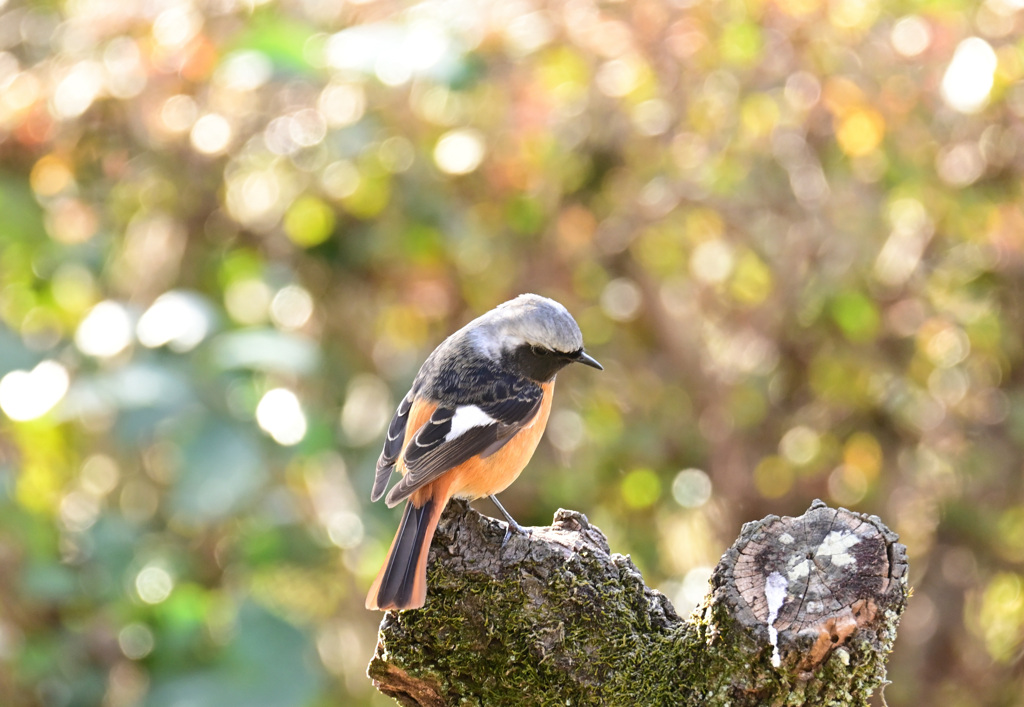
point(557, 618)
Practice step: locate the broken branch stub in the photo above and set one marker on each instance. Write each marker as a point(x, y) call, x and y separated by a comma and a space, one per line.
point(806, 586)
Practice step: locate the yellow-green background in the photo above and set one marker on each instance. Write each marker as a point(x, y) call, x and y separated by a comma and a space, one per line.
point(799, 261)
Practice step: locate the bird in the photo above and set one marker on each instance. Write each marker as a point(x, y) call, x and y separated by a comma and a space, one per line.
point(468, 427)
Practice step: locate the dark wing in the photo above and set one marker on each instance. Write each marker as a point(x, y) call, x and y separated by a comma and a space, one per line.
point(456, 434)
point(392, 447)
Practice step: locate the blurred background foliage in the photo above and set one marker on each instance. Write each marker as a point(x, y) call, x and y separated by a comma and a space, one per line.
point(230, 231)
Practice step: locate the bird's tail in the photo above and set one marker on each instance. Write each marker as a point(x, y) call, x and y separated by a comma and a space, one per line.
point(402, 581)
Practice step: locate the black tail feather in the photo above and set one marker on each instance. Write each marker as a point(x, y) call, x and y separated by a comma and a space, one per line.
point(396, 587)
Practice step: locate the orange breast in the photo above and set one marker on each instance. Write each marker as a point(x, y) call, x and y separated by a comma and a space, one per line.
point(482, 477)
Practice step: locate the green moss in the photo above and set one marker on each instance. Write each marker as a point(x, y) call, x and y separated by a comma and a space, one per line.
point(601, 647)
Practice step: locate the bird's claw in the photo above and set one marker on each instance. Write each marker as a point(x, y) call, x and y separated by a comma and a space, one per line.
point(517, 528)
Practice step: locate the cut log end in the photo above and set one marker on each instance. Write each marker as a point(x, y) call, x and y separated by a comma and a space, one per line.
point(806, 586)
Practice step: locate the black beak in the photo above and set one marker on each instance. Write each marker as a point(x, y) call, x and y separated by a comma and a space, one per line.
point(588, 360)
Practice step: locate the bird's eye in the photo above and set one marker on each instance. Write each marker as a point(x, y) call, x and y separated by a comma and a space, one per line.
point(539, 351)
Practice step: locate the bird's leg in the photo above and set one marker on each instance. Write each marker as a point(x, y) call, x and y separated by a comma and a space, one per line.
point(512, 525)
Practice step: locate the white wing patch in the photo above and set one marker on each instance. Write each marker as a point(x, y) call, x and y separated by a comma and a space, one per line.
point(466, 418)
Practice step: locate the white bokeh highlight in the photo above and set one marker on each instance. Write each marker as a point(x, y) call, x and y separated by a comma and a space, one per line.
point(106, 330)
point(459, 151)
point(154, 584)
point(176, 319)
point(969, 78)
point(280, 415)
point(27, 395)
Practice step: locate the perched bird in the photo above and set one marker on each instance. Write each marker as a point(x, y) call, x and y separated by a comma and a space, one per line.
point(470, 423)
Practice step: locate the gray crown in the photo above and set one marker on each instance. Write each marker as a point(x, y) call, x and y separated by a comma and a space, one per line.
point(527, 319)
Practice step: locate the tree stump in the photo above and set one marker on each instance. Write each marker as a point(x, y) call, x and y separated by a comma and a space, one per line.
point(801, 611)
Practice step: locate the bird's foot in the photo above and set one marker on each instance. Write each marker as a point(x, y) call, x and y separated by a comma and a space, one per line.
point(512, 524)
